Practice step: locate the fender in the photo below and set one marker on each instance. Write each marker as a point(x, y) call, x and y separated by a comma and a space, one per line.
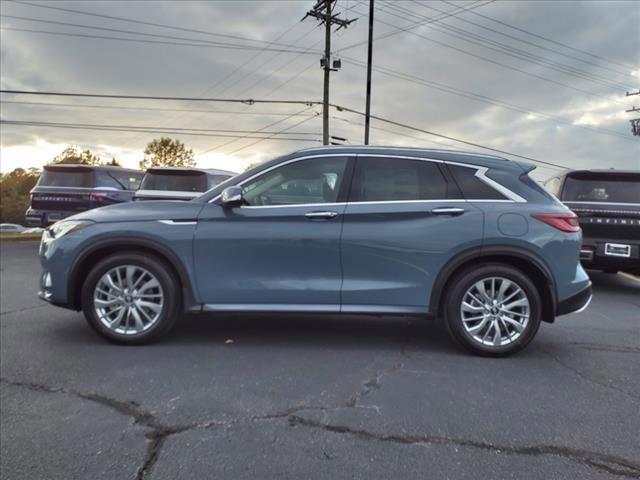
point(188, 298)
point(488, 251)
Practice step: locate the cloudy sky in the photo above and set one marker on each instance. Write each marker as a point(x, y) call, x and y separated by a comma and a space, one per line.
point(545, 80)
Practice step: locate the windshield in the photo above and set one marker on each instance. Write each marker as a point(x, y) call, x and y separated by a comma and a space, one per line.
point(609, 188)
point(67, 177)
point(175, 181)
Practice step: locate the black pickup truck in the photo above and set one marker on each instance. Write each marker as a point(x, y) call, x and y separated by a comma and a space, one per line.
point(607, 203)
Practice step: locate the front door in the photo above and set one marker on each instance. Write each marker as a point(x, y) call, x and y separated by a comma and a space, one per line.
point(404, 220)
point(281, 250)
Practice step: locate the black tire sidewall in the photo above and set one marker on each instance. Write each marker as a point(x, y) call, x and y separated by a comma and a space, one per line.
point(169, 287)
point(463, 281)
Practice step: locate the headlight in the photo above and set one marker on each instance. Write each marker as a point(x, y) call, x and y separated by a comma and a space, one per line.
point(65, 227)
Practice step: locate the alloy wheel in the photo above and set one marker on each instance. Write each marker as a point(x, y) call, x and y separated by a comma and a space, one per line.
point(495, 311)
point(128, 299)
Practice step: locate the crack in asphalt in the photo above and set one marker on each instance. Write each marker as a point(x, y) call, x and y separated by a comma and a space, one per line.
point(26, 309)
point(588, 378)
point(608, 463)
point(605, 348)
point(159, 432)
point(157, 435)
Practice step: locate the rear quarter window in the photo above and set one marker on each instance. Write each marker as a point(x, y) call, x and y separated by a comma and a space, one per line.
point(471, 186)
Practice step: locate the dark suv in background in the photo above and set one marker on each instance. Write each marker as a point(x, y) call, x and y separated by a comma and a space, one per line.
point(178, 183)
point(64, 190)
point(607, 203)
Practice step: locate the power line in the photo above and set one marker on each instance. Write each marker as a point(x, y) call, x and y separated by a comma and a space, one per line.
point(253, 132)
point(270, 137)
point(154, 42)
point(593, 55)
point(480, 98)
point(175, 131)
point(527, 42)
point(495, 62)
point(299, 102)
point(455, 11)
point(286, 48)
point(142, 22)
point(247, 101)
point(448, 137)
point(503, 48)
point(153, 109)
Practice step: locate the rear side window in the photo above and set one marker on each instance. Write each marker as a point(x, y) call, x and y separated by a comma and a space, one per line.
point(395, 179)
point(217, 179)
point(175, 181)
point(472, 187)
point(602, 187)
point(106, 179)
point(80, 177)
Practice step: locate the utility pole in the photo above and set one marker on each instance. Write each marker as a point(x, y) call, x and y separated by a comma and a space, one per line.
point(635, 122)
point(323, 11)
point(367, 117)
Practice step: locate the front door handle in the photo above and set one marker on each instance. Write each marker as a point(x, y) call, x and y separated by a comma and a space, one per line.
point(448, 211)
point(321, 215)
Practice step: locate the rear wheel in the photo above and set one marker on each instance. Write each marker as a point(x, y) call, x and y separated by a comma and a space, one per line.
point(131, 298)
point(493, 310)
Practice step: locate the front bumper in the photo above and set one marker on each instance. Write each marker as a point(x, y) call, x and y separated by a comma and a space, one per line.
point(576, 302)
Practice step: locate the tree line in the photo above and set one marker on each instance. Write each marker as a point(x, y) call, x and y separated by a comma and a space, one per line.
point(16, 185)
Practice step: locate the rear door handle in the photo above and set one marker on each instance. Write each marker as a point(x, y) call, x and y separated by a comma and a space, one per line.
point(321, 215)
point(448, 211)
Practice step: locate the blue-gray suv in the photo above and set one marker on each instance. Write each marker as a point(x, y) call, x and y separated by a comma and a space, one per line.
point(465, 237)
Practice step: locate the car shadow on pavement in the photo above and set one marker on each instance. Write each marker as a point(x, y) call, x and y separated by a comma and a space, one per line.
point(314, 331)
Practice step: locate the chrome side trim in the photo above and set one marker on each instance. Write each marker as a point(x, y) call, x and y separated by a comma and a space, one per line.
point(480, 173)
point(584, 307)
point(178, 222)
point(269, 307)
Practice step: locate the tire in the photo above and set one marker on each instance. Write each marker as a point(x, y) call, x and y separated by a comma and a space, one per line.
point(145, 314)
point(479, 339)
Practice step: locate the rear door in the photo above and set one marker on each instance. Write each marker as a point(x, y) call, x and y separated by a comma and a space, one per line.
point(403, 222)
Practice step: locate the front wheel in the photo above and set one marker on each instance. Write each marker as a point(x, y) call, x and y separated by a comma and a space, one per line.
point(493, 310)
point(131, 298)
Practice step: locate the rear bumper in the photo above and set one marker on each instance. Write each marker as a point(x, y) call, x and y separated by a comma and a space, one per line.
point(592, 255)
point(575, 303)
point(44, 218)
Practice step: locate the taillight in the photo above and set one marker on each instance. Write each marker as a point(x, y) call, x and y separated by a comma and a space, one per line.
point(565, 222)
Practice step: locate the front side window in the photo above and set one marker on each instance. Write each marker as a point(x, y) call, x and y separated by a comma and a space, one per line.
point(315, 180)
point(396, 179)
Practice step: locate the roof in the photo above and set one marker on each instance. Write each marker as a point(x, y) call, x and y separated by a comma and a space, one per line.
point(212, 171)
point(604, 170)
point(492, 161)
point(91, 167)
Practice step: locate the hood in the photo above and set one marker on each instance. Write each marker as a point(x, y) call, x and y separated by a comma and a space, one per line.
point(142, 211)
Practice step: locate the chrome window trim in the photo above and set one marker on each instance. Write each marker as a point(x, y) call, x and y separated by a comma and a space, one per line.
point(480, 174)
point(603, 203)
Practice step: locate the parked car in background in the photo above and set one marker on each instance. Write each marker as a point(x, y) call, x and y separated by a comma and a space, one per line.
point(364, 230)
point(64, 190)
point(173, 183)
point(11, 228)
point(32, 230)
point(607, 203)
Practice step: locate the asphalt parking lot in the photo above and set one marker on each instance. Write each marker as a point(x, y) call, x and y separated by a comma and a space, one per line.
point(314, 397)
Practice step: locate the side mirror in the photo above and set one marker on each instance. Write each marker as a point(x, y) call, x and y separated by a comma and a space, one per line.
point(232, 197)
